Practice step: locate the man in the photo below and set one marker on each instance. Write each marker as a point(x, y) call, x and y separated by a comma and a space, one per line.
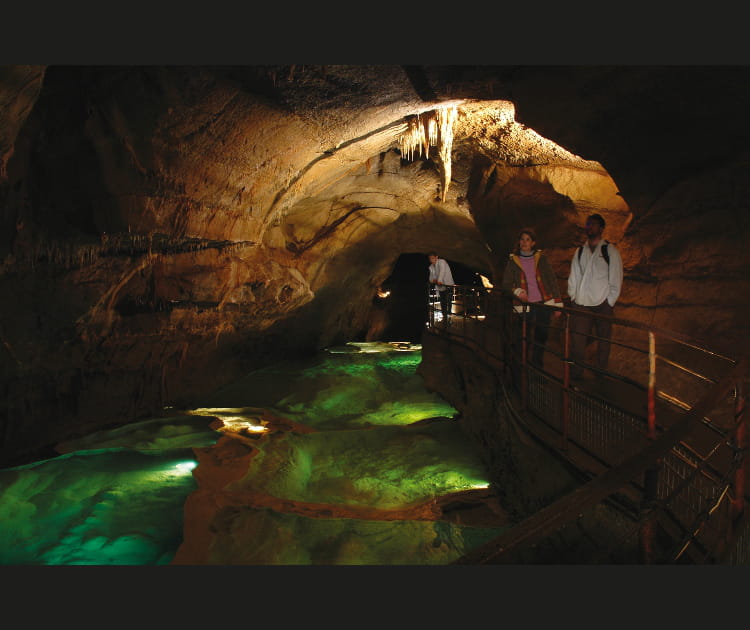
point(594, 285)
point(442, 278)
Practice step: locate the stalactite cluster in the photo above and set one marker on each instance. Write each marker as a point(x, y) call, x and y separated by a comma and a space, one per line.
point(432, 128)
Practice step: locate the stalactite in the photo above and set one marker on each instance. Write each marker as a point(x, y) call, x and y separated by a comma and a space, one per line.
point(432, 131)
point(446, 117)
point(426, 135)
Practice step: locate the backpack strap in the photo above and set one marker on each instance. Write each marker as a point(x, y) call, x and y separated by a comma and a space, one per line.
point(605, 252)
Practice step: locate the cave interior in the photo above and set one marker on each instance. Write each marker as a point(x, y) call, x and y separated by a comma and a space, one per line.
point(167, 229)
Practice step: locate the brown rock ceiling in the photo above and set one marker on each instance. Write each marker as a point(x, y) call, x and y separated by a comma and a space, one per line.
point(165, 229)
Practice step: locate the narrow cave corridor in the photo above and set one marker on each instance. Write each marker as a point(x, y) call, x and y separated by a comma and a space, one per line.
point(401, 316)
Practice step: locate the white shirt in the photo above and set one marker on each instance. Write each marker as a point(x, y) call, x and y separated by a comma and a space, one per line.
point(441, 271)
point(591, 279)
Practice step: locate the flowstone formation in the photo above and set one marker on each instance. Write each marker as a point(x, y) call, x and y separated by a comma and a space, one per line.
point(366, 470)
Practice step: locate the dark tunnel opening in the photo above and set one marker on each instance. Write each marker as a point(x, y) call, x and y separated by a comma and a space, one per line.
point(403, 314)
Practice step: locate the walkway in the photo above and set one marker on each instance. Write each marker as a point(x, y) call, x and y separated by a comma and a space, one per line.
point(666, 428)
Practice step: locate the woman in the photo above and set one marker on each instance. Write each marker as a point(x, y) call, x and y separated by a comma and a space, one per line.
point(529, 276)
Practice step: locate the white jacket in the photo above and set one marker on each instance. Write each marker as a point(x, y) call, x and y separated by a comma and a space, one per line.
point(441, 271)
point(591, 279)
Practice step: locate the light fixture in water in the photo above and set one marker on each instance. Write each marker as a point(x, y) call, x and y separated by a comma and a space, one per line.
point(183, 468)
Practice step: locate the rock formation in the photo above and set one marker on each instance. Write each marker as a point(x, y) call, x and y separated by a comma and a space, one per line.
point(165, 229)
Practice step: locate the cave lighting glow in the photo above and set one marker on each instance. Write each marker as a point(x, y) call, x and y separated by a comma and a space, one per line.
point(185, 468)
point(234, 417)
point(169, 470)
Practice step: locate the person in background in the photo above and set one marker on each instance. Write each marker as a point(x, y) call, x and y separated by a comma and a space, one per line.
point(442, 278)
point(594, 285)
point(529, 276)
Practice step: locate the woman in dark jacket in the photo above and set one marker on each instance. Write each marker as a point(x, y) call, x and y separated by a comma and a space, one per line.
point(529, 276)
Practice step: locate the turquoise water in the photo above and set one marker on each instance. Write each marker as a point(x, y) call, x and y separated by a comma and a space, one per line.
point(119, 502)
point(373, 438)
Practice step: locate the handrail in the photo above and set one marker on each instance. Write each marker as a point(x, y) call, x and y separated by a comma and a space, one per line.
point(552, 517)
point(501, 306)
point(680, 485)
point(689, 341)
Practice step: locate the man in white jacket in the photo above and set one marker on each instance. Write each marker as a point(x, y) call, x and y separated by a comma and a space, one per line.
point(594, 285)
point(442, 278)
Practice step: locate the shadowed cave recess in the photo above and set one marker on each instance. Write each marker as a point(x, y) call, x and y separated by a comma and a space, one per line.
point(168, 230)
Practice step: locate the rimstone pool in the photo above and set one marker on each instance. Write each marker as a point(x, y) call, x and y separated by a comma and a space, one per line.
point(351, 455)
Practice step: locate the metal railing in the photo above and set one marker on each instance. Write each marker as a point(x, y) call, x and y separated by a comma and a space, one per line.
point(657, 385)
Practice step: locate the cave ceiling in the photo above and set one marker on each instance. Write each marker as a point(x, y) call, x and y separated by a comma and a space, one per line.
point(298, 160)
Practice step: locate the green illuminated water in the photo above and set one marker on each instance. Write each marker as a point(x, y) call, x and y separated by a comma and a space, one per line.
point(386, 467)
point(379, 440)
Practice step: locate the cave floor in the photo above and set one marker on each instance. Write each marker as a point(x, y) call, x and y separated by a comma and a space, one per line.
point(352, 462)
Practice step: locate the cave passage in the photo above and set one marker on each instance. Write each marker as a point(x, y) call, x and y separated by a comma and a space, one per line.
point(402, 316)
point(374, 438)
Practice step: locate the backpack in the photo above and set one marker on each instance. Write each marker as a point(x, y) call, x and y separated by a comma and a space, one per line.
point(605, 253)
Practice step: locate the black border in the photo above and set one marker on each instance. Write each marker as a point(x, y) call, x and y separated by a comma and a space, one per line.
point(220, 32)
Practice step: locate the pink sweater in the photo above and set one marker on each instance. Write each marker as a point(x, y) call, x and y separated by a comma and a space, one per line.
point(534, 294)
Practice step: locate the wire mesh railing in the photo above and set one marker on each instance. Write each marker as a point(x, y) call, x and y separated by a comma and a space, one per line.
point(693, 494)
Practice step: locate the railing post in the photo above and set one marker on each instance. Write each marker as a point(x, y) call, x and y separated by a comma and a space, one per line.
point(651, 386)
point(651, 475)
point(462, 301)
point(524, 375)
point(448, 315)
point(738, 504)
point(566, 383)
point(505, 310)
point(430, 308)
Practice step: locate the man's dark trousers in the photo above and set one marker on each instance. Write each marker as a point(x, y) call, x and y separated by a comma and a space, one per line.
point(581, 327)
point(445, 302)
